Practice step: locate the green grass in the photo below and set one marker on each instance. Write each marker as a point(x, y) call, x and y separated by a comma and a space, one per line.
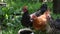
point(10, 31)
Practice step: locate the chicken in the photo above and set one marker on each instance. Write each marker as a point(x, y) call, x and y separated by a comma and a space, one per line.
point(57, 23)
point(54, 25)
point(26, 18)
point(40, 11)
point(25, 31)
point(40, 23)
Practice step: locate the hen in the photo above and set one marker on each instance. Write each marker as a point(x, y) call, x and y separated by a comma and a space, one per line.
point(54, 25)
point(26, 18)
point(40, 23)
point(57, 23)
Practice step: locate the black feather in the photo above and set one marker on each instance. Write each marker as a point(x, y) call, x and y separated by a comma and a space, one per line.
point(26, 19)
point(42, 9)
point(57, 23)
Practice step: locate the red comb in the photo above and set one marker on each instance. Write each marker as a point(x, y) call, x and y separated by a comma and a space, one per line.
point(24, 8)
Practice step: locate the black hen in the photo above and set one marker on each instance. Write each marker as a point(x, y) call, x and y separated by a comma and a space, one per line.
point(40, 11)
point(26, 18)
